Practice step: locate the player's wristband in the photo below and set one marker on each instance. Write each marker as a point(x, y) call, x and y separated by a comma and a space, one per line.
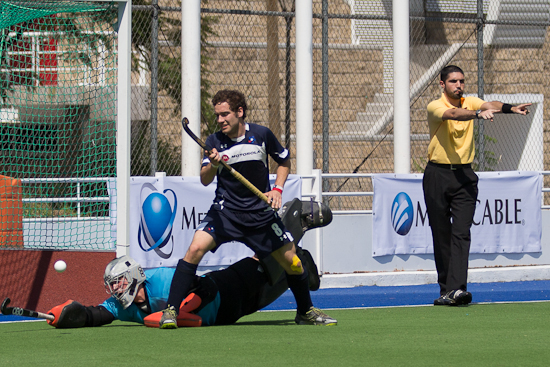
point(507, 108)
point(213, 165)
point(278, 188)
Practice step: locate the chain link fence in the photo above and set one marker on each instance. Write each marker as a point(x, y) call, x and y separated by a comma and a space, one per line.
point(249, 45)
point(58, 81)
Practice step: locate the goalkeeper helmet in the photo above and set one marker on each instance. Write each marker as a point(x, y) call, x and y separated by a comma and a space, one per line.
point(122, 279)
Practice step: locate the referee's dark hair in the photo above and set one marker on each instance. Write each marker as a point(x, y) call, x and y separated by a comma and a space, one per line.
point(234, 99)
point(448, 70)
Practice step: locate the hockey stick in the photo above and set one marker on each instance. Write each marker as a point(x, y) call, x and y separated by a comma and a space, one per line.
point(237, 175)
point(17, 311)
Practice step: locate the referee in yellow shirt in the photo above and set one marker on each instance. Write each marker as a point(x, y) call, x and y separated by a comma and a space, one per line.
point(450, 184)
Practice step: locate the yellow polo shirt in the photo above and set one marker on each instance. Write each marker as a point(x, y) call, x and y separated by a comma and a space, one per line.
point(451, 141)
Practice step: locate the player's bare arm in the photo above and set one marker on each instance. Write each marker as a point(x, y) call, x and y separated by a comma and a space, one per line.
point(209, 171)
point(276, 194)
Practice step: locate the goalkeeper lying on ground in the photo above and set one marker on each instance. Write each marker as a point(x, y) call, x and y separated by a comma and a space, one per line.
point(217, 298)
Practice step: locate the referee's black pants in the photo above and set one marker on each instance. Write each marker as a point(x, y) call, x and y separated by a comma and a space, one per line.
point(450, 195)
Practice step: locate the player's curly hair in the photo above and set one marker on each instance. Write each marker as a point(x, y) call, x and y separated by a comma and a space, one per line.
point(234, 98)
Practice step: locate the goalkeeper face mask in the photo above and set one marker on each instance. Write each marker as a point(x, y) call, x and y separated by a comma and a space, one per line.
point(122, 279)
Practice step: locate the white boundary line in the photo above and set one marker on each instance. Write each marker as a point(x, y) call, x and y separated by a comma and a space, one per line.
point(426, 305)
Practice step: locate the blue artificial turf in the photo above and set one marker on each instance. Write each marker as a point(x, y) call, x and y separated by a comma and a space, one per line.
point(374, 296)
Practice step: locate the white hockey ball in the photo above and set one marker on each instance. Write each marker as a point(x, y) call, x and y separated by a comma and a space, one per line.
point(60, 266)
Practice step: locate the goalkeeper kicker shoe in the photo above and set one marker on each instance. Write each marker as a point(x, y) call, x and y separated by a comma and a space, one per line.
point(314, 317)
point(169, 319)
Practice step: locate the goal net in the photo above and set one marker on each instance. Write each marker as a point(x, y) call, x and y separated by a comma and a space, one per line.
point(58, 77)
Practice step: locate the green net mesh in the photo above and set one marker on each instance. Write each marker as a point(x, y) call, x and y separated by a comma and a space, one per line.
point(57, 123)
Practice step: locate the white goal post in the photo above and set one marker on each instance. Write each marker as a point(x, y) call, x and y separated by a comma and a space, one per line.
point(123, 133)
point(123, 126)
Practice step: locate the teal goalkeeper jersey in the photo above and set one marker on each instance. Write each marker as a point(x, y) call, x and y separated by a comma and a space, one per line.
point(157, 285)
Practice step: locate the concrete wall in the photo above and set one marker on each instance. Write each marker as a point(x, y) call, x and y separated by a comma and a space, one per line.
point(347, 261)
point(30, 281)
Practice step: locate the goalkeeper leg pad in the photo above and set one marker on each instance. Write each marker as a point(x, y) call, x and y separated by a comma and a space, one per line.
point(185, 319)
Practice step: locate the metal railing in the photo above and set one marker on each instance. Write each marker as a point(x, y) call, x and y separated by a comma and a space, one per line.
point(317, 192)
point(78, 198)
point(544, 189)
point(314, 179)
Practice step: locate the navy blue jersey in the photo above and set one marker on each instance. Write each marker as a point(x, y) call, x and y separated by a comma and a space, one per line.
point(248, 155)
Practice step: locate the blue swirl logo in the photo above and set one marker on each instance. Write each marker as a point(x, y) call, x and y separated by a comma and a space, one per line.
point(157, 220)
point(402, 213)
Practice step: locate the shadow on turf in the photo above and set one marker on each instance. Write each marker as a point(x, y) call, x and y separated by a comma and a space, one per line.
point(270, 323)
point(245, 323)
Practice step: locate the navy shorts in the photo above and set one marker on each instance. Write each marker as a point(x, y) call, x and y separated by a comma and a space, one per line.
point(261, 231)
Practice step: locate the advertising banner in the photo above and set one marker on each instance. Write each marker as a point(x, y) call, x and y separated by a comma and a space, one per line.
point(507, 217)
point(165, 212)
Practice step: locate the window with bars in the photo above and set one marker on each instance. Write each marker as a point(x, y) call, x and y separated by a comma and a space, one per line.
point(32, 54)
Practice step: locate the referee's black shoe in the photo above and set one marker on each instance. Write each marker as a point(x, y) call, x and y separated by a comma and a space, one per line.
point(459, 297)
point(442, 301)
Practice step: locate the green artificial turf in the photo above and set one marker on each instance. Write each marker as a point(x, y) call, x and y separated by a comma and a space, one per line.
point(479, 335)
